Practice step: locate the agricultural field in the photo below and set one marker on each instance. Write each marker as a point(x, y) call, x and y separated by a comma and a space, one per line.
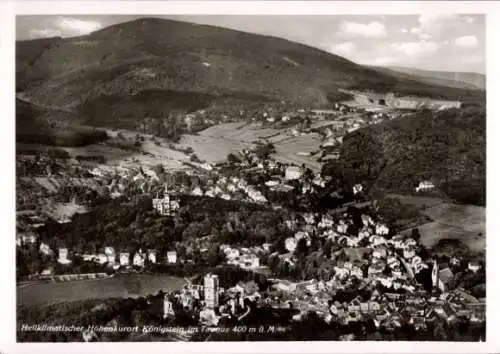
point(119, 286)
point(234, 137)
point(239, 131)
point(289, 150)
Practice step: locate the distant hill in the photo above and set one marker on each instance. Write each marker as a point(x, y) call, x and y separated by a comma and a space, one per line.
point(446, 147)
point(461, 80)
point(187, 67)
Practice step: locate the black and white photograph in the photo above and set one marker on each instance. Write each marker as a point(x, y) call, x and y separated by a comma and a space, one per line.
point(250, 177)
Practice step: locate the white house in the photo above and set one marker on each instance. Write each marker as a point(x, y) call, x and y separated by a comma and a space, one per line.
point(152, 256)
point(293, 172)
point(256, 196)
point(45, 249)
point(291, 244)
point(101, 258)
point(342, 228)
point(63, 256)
point(207, 166)
point(172, 257)
point(138, 259)
point(124, 259)
point(358, 188)
point(425, 186)
point(88, 257)
point(381, 229)
point(110, 254)
point(474, 266)
point(272, 183)
point(232, 253)
point(197, 191)
point(408, 253)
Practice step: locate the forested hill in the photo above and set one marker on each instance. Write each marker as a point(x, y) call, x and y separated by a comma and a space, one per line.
point(446, 147)
point(194, 64)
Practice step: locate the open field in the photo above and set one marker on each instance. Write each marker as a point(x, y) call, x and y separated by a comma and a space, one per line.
point(434, 231)
point(215, 143)
point(239, 131)
point(471, 218)
point(418, 201)
point(119, 286)
point(455, 221)
point(213, 149)
point(287, 150)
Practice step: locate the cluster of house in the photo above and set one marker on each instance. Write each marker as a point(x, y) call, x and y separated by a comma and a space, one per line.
point(233, 188)
point(213, 301)
point(246, 258)
point(388, 310)
point(112, 258)
point(389, 263)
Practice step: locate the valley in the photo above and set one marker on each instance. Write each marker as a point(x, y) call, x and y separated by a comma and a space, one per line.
point(163, 167)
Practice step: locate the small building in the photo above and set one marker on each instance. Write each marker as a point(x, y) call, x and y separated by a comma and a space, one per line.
point(110, 255)
point(358, 188)
point(171, 257)
point(138, 259)
point(101, 258)
point(424, 186)
point(63, 256)
point(45, 249)
point(152, 256)
point(293, 173)
point(124, 258)
point(290, 244)
point(474, 266)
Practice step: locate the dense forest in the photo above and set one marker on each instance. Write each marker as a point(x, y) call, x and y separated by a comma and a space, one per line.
point(445, 147)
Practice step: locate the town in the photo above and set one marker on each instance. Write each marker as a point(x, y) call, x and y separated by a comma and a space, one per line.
point(344, 264)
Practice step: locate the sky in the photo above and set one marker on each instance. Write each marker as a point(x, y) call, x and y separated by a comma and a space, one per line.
point(444, 42)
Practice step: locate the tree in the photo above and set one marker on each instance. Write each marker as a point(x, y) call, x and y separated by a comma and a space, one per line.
point(327, 248)
point(415, 234)
point(215, 256)
point(232, 158)
point(301, 249)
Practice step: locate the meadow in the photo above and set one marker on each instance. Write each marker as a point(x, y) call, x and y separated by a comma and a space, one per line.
point(464, 222)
